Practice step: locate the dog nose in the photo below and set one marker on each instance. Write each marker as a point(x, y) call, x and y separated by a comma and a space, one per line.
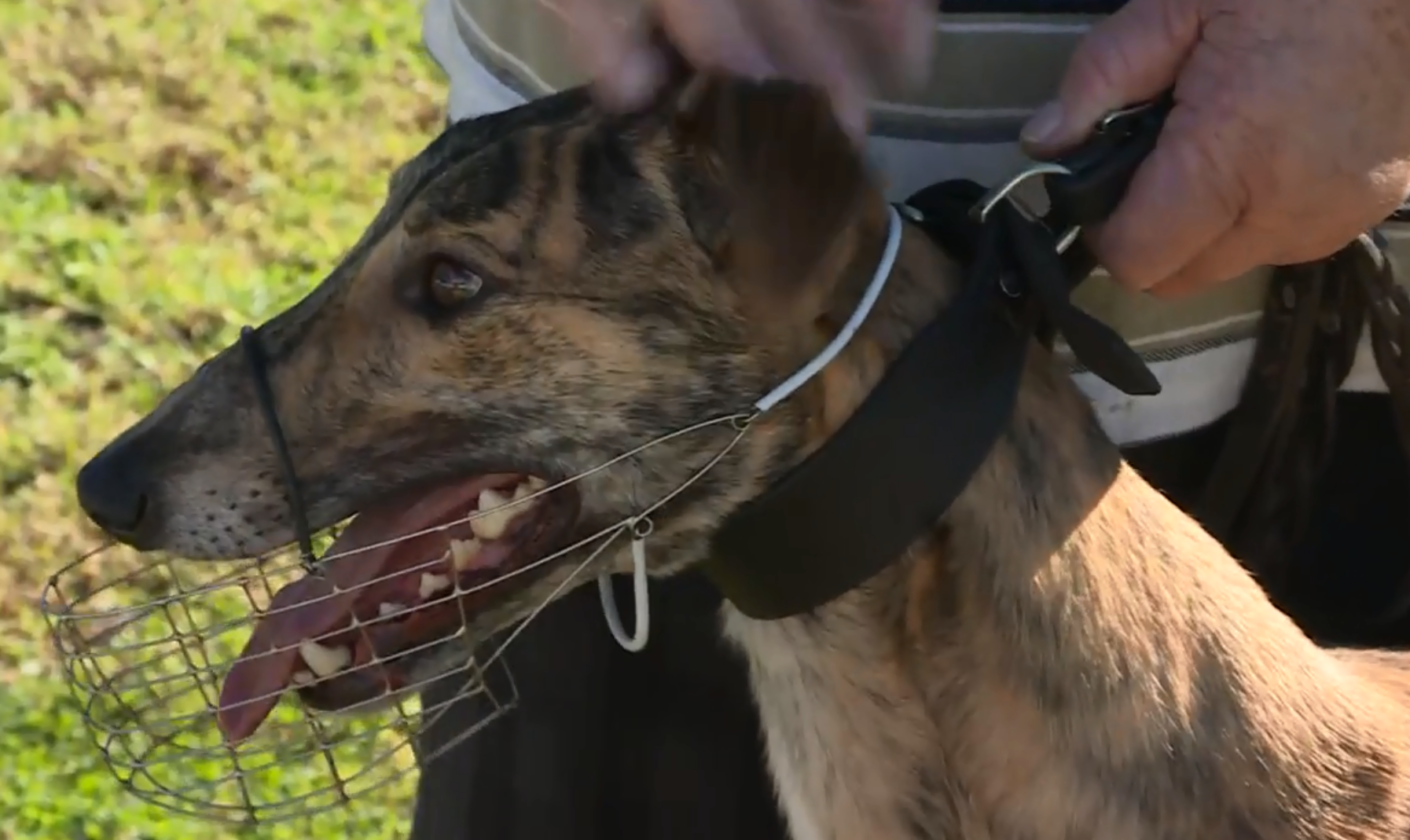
point(111, 492)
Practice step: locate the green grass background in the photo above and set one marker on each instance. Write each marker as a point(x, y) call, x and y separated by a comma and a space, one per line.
point(169, 171)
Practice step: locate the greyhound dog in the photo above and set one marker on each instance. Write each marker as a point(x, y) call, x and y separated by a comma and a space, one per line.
point(1064, 654)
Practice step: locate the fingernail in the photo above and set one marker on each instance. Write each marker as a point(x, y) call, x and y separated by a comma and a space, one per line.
point(1042, 128)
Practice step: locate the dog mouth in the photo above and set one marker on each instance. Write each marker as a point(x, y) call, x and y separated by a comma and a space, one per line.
point(354, 633)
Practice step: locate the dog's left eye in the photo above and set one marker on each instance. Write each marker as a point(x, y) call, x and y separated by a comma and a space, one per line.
point(451, 286)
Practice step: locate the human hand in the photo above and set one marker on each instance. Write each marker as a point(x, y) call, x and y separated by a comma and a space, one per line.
point(1290, 135)
point(846, 48)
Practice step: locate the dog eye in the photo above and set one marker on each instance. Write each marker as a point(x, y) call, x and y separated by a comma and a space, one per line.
point(451, 285)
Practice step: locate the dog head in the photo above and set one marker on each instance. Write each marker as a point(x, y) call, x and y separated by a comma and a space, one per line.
point(544, 289)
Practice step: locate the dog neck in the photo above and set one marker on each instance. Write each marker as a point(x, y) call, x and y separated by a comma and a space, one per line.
point(1062, 611)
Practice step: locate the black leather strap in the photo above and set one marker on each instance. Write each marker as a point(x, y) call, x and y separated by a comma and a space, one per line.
point(1261, 491)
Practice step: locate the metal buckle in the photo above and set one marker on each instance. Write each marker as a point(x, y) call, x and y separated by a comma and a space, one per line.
point(1004, 191)
point(1114, 119)
point(1108, 129)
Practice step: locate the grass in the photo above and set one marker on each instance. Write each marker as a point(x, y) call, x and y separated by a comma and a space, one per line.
point(169, 171)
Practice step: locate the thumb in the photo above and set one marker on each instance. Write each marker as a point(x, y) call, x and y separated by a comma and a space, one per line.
point(1131, 56)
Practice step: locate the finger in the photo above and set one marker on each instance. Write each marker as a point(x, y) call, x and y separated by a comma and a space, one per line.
point(807, 49)
point(1131, 56)
point(712, 35)
point(1179, 287)
point(900, 35)
point(1235, 253)
point(1180, 202)
point(1317, 234)
point(1245, 248)
point(614, 51)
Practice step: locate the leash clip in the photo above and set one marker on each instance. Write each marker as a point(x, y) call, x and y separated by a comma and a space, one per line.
point(1125, 118)
point(1084, 186)
point(1100, 170)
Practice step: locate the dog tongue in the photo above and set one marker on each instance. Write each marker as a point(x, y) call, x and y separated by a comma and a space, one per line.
point(312, 606)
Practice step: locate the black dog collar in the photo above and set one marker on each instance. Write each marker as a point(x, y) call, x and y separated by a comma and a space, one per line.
point(897, 465)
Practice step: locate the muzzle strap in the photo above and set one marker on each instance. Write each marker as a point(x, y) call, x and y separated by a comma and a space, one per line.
point(264, 395)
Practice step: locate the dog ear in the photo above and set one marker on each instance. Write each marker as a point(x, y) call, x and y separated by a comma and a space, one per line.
point(793, 183)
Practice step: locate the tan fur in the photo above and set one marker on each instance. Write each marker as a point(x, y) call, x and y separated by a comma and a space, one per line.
point(1065, 655)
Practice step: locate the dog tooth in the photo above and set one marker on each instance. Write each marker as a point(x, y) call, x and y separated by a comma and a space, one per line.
point(323, 660)
point(529, 487)
point(389, 608)
point(431, 584)
point(490, 523)
point(491, 498)
point(302, 677)
point(463, 553)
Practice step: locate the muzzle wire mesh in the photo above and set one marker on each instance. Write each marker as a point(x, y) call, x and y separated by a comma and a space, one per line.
point(147, 678)
point(145, 641)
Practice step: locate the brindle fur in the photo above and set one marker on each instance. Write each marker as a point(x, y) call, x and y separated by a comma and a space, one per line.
point(1065, 655)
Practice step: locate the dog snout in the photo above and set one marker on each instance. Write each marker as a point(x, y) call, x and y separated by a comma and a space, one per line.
point(115, 493)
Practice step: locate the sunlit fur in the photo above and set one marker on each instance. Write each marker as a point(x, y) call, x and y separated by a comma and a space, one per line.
point(1065, 655)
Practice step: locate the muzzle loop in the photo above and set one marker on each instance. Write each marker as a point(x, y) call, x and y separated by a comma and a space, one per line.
point(264, 396)
point(640, 529)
